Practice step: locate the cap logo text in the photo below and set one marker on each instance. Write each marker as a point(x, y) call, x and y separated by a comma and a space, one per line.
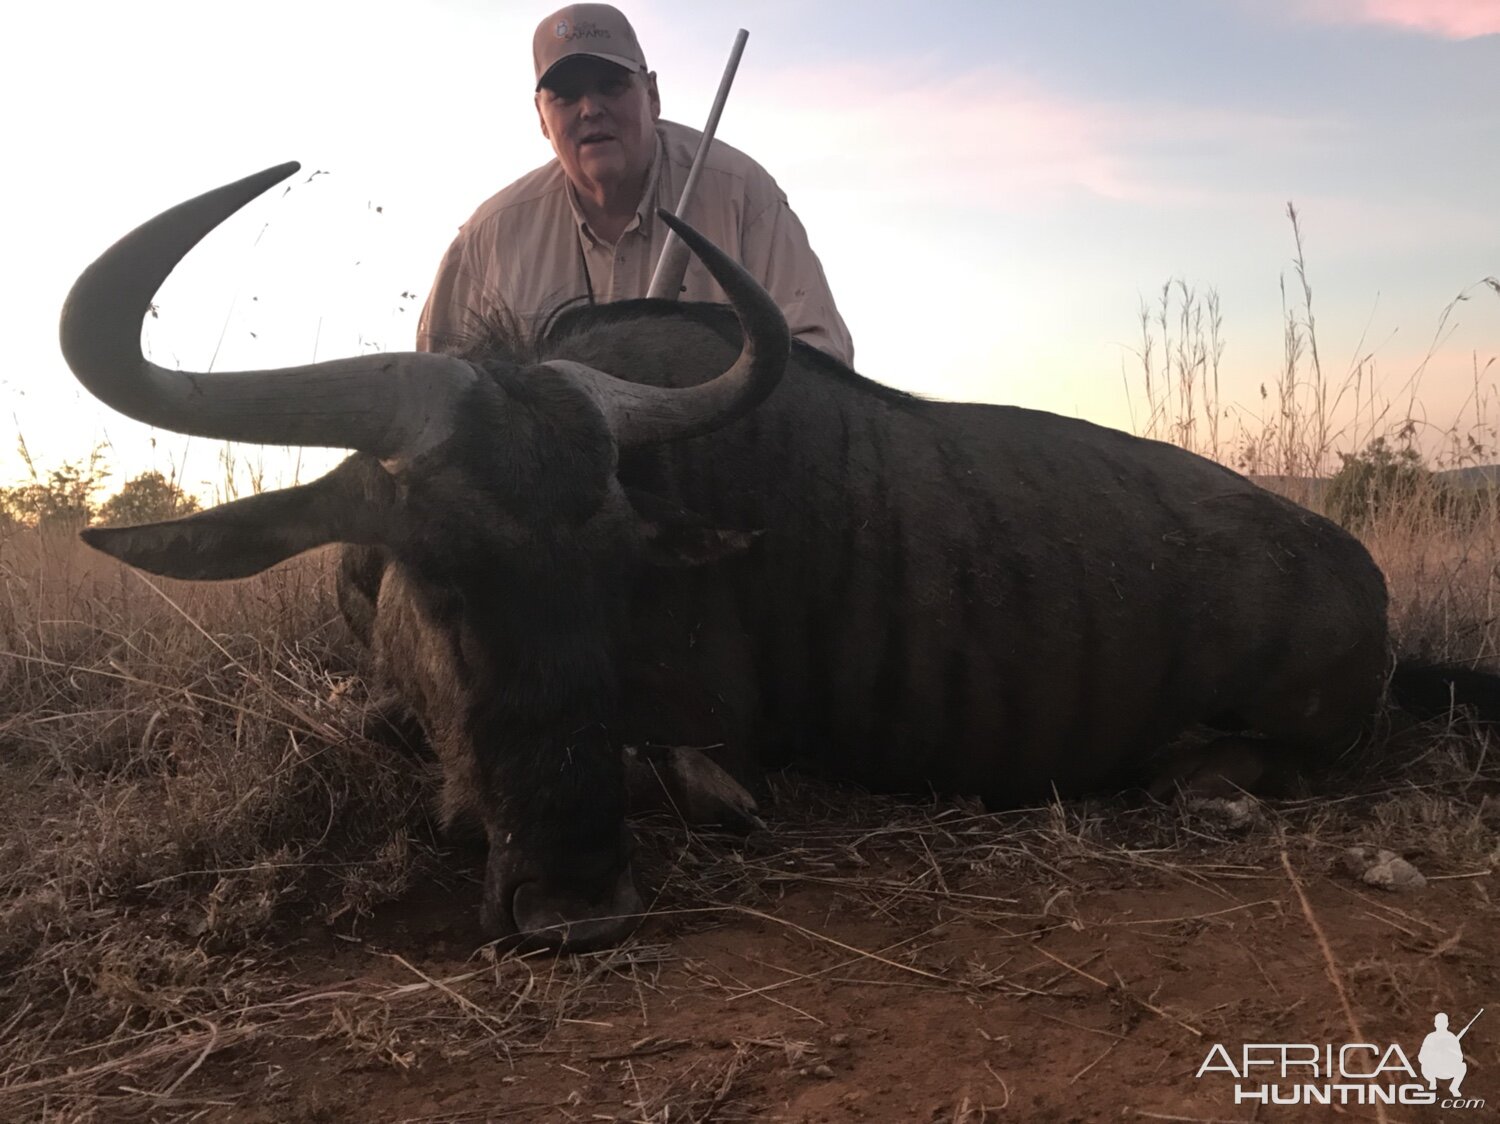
point(587, 30)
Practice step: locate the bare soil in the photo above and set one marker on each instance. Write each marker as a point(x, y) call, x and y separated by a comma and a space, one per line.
point(877, 960)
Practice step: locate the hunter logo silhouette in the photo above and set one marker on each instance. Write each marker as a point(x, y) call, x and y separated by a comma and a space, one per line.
point(1441, 1056)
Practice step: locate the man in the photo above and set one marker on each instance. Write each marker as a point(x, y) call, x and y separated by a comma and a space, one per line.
point(584, 226)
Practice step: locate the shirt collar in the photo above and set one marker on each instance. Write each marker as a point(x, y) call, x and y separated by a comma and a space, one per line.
point(645, 210)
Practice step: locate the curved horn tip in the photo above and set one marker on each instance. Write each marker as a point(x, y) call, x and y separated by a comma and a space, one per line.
point(272, 175)
point(672, 220)
point(284, 169)
point(360, 404)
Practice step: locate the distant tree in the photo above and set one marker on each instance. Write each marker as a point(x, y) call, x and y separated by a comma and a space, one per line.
point(1382, 480)
point(61, 499)
point(146, 498)
point(1373, 480)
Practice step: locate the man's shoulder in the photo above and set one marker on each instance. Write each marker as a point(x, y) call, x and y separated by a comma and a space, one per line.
point(519, 201)
point(680, 143)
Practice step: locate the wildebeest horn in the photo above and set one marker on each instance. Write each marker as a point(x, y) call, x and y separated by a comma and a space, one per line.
point(391, 405)
point(643, 415)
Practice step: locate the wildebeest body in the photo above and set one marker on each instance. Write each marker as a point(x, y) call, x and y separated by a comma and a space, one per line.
point(988, 599)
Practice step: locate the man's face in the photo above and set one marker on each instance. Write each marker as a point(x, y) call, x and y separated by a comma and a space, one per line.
point(601, 121)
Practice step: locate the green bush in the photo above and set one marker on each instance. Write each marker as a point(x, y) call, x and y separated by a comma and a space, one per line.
point(1382, 483)
point(147, 498)
point(64, 499)
point(61, 499)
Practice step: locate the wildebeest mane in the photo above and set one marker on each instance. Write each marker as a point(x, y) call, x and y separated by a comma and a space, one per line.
point(500, 335)
point(504, 335)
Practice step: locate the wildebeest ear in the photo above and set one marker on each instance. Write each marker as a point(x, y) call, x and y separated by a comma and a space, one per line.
point(235, 540)
point(676, 536)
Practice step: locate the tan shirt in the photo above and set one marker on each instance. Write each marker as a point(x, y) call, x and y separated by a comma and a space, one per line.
point(529, 248)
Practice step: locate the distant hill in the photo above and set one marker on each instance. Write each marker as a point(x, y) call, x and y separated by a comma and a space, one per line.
point(1475, 476)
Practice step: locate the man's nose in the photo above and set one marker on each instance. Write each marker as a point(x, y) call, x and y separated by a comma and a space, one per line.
point(590, 104)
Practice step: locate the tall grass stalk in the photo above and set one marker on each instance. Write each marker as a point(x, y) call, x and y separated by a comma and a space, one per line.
point(1306, 420)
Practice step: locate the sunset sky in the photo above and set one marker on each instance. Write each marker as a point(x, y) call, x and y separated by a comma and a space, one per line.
point(993, 188)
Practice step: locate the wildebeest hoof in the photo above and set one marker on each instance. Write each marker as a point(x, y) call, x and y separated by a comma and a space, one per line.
point(687, 781)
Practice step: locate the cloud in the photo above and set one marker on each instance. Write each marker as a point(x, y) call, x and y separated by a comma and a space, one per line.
point(1448, 19)
point(973, 134)
point(991, 141)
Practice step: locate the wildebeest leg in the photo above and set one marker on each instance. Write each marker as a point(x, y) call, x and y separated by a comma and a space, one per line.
point(1222, 768)
point(688, 747)
point(681, 779)
point(1303, 721)
point(686, 781)
point(688, 681)
point(1328, 710)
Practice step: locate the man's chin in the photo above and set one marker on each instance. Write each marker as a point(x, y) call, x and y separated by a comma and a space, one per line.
point(604, 168)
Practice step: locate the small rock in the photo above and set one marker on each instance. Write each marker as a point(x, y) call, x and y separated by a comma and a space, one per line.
point(1395, 873)
point(1375, 866)
point(823, 1071)
point(1358, 859)
point(840, 1039)
point(1236, 814)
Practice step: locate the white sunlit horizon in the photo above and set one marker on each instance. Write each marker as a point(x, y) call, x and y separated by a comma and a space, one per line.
point(993, 190)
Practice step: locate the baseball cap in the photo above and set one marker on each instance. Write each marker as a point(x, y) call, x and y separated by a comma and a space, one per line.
point(599, 31)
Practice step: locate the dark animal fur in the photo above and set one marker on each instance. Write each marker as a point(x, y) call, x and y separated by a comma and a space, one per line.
point(983, 598)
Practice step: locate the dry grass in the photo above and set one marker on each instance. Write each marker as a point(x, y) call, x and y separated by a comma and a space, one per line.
point(178, 782)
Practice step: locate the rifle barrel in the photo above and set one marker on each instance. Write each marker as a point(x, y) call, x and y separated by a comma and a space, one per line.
point(1470, 1023)
point(671, 267)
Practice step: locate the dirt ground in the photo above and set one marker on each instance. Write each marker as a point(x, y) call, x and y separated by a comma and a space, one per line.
point(868, 959)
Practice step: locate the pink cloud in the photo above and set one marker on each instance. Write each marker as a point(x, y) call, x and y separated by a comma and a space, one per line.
point(1450, 19)
point(987, 140)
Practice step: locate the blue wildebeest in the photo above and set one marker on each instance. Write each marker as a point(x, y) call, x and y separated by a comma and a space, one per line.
point(914, 594)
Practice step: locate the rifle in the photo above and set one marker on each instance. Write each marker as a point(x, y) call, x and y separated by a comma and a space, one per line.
point(672, 265)
point(1468, 1024)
